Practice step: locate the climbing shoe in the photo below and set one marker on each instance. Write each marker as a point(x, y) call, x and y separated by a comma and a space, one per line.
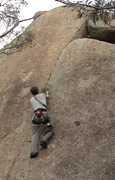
point(43, 144)
point(33, 155)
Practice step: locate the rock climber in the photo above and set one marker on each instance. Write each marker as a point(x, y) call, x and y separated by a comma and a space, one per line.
point(40, 121)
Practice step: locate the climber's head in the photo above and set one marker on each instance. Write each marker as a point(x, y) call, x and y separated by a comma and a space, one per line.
point(34, 90)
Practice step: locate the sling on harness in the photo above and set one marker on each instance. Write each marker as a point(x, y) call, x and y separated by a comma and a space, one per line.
point(39, 113)
point(40, 102)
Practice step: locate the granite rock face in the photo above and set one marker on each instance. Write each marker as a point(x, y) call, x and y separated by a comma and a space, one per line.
point(80, 73)
point(101, 31)
point(84, 84)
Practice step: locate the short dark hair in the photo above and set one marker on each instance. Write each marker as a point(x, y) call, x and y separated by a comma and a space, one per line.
point(34, 90)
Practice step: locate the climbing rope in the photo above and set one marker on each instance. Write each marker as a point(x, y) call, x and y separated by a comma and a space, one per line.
point(28, 164)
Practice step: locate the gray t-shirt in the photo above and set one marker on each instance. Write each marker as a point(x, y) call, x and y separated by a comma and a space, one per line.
point(35, 104)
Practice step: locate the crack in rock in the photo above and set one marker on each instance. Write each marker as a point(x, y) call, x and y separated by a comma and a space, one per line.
point(57, 61)
point(6, 135)
point(11, 132)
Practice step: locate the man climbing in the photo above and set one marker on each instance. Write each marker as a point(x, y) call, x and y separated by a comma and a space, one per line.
point(40, 121)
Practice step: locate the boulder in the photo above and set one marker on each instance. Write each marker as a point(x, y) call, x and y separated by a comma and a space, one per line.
point(32, 66)
point(82, 97)
point(80, 75)
point(101, 31)
point(39, 13)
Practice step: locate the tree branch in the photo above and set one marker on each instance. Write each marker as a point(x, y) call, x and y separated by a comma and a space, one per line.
point(90, 6)
point(15, 25)
point(5, 3)
point(8, 16)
